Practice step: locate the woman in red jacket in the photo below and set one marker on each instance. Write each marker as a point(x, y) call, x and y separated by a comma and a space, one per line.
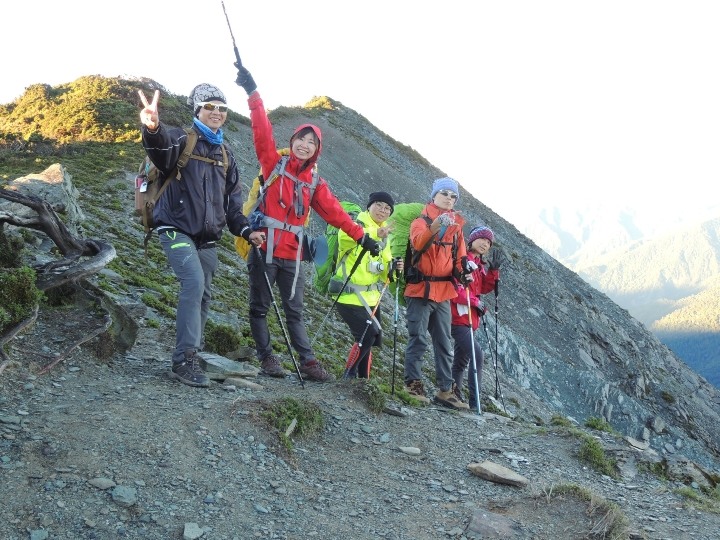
point(479, 243)
point(291, 188)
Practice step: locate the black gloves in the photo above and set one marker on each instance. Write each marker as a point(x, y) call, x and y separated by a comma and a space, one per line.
point(468, 266)
point(465, 276)
point(370, 245)
point(495, 259)
point(245, 79)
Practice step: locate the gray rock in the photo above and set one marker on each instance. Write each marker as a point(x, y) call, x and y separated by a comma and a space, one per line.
point(192, 531)
point(124, 495)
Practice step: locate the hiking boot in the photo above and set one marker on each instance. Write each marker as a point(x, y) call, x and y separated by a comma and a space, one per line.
point(314, 371)
point(449, 399)
point(417, 390)
point(271, 367)
point(458, 393)
point(189, 371)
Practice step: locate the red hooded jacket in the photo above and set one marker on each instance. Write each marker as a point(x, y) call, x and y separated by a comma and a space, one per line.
point(278, 201)
point(483, 282)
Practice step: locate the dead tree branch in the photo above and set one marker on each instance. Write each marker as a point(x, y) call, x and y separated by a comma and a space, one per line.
point(81, 258)
point(70, 268)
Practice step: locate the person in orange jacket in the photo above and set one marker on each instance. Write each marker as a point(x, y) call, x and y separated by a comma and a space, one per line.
point(439, 256)
point(284, 203)
point(479, 243)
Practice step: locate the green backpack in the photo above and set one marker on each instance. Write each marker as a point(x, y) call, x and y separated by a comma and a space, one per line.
point(328, 269)
point(403, 216)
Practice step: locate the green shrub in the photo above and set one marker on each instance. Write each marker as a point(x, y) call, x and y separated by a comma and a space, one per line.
point(561, 421)
point(598, 423)
point(592, 452)
point(11, 248)
point(18, 295)
point(221, 338)
point(374, 394)
point(307, 416)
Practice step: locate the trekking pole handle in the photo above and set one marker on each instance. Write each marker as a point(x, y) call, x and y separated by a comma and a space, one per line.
point(237, 53)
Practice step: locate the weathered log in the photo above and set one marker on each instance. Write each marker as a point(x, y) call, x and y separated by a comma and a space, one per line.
point(71, 267)
point(81, 258)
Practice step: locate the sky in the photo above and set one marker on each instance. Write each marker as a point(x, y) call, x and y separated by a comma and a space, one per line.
point(526, 103)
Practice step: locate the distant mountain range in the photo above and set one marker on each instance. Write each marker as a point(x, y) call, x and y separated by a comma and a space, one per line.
point(670, 281)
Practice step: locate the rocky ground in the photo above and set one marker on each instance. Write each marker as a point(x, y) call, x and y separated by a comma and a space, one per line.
point(99, 449)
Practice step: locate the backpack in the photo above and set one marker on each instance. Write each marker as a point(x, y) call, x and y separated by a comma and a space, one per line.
point(242, 246)
point(327, 270)
point(148, 189)
point(257, 192)
point(400, 223)
point(259, 220)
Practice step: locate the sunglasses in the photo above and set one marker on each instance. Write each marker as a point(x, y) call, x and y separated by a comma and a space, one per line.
point(213, 106)
point(448, 193)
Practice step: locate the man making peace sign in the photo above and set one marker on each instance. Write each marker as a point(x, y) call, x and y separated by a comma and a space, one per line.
point(192, 212)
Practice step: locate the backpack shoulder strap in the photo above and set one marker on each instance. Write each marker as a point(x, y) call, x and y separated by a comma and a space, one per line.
point(189, 147)
point(418, 253)
point(187, 154)
point(226, 161)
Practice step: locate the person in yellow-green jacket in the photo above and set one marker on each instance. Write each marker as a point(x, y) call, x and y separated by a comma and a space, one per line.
point(363, 292)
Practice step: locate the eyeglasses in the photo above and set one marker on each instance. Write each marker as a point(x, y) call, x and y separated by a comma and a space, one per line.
point(213, 106)
point(382, 206)
point(448, 193)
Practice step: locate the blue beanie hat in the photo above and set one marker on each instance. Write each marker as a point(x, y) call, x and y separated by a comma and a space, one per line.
point(444, 183)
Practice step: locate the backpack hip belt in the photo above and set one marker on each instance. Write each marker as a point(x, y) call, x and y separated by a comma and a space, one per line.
point(357, 289)
point(272, 225)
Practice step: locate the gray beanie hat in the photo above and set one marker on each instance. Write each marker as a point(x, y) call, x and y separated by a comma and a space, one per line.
point(204, 92)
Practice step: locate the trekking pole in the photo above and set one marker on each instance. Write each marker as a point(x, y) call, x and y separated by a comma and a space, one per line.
point(498, 390)
point(237, 53)
point(395, 323)
point(474, 357)
point(347, 280)
point(277, 312)
point(497, 381)
point(355, 350)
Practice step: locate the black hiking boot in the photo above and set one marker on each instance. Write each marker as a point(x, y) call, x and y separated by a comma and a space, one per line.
point(189, 371)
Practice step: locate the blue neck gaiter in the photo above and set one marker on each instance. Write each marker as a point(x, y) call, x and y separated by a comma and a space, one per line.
point(210, 135)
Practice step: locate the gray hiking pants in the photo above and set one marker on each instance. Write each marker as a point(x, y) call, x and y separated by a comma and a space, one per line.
point(464, 343)
point(195, 269)
point(433, 317)
point(282, 272)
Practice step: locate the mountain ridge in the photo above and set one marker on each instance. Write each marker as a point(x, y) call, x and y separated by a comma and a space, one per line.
point(564, 348)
